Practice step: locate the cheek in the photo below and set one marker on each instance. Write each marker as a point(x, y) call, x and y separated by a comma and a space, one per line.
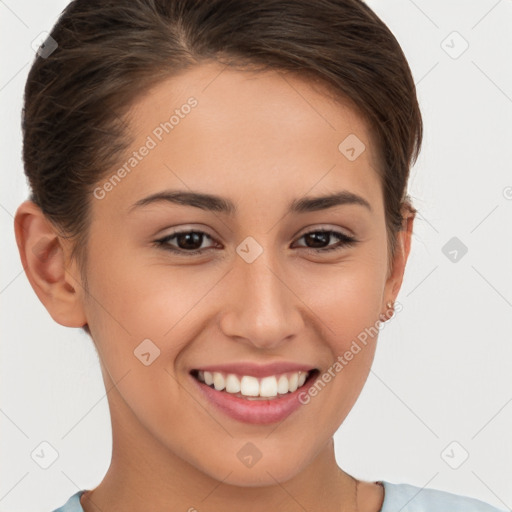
point(346, 298)
point(346, 302)
point(346, 305)
point(139, 296)
point(145, 307)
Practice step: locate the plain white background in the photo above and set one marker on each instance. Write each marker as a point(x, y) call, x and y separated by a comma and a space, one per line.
point(440, 389)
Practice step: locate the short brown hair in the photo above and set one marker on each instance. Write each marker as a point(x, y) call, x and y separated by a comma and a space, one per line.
point(111, 51)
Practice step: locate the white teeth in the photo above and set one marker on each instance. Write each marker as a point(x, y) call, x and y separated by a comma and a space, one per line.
point(232, 384)
point(249, 386)
point(282, 384)
point(218, 381)
point(268, 386)
point(294, 380)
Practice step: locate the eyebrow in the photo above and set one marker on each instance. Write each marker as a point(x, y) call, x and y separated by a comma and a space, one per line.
point(219, 204)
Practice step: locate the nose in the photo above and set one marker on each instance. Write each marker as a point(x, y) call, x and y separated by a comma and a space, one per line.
point(261, 307)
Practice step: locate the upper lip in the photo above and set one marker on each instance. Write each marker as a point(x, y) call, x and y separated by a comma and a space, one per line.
point(257, 370)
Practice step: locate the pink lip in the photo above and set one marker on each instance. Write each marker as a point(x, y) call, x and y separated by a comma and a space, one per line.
point(254, 411)
point(257, 370)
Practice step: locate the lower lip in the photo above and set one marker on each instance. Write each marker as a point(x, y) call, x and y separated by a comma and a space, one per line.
point(254, 411)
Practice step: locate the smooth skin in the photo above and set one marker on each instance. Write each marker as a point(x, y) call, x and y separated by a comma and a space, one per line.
point(261, 140)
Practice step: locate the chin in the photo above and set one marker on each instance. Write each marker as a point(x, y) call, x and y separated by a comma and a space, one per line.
point(259, 479)
point(260, 475)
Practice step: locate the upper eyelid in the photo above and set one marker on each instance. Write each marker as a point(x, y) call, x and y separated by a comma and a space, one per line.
point(304, 231)
point(314, 229)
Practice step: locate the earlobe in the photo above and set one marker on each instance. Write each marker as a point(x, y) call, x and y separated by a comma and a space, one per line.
point(43, 257)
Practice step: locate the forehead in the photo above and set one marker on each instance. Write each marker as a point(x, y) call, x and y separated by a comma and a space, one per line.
point(221, 130)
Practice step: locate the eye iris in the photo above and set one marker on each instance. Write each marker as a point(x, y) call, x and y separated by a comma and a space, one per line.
point(193, 236)
point(318, 236)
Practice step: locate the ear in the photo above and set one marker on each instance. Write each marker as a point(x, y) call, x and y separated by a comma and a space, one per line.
point(44, 255)
point(403, 247)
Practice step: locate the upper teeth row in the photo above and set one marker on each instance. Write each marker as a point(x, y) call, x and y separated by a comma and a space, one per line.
point(252, 386)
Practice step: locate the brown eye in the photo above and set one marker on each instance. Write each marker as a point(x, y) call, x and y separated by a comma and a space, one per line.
point(188, 242)
point(318, 241)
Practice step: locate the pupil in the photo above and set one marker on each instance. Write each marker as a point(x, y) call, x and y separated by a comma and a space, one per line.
point(319, 237)
point(187, 237)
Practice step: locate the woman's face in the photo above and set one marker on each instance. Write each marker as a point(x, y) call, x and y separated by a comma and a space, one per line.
point(260, 291)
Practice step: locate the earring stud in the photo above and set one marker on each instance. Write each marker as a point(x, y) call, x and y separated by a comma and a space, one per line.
point(390, 305)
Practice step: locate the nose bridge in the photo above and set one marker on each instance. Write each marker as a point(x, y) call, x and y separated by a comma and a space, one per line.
point(261, 308)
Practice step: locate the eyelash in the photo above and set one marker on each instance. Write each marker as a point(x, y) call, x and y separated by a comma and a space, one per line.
point(344, 241)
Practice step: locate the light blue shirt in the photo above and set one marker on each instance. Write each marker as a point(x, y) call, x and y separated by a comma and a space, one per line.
point(397, 498)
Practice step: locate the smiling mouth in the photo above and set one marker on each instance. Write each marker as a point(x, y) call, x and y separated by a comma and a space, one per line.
point(254, 388)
